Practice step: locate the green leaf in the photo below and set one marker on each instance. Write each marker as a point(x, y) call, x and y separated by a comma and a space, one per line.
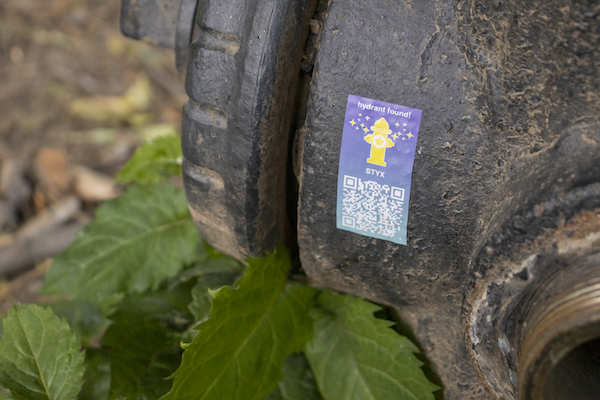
point(154, 161)
point(143, 344)
point(135, 242)
point(40, 358)
point(202, 300)
point(208, 266)
point(298, 381)
point(84, 318)
point(96, 380)
point(5, 395)
point(212, 274)
point(357, 356)
point(252, 329)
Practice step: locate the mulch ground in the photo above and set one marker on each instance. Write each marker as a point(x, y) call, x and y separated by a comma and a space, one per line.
point(76, 99)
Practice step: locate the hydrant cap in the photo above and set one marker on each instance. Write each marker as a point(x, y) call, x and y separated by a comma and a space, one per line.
point(381, 126)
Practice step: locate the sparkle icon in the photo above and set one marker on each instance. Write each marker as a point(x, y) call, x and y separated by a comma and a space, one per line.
point(366, 130)
point(405, 124)
point(403, 138)
point(397, 124)
point(363, 125)
point(395, 136)
point(367, 118)
point(360, 115)
point(352, 122)
point(410, 135)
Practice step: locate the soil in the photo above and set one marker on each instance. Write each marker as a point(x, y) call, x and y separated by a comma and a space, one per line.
point(74, 88)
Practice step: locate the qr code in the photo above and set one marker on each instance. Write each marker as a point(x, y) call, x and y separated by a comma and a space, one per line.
point(371, 207)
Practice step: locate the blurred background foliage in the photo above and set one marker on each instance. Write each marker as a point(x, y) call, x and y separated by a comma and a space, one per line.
point(76, 99)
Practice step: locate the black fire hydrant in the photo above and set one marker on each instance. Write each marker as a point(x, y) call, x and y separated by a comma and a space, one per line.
point(440, 157)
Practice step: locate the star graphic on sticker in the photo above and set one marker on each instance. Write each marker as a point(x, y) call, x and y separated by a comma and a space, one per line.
point(379, 142)
point(360, 115)
point(363, 125)
point(366, 130)
point(356, 128)
point(397, 124)
point(352, 122)
point(403, 138)
point(403, 130)
point(405, 124)
point(367, 118)
point(410, 135)
point(395, 136)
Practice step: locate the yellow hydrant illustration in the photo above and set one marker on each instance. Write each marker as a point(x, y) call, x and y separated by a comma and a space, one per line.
point(379, 142)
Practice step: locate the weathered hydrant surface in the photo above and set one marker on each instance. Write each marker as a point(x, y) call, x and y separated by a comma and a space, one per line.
point(499, 279)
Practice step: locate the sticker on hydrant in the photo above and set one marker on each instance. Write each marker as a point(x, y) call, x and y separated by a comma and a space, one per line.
point(376, 161)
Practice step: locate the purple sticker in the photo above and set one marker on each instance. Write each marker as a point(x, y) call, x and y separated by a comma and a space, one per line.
point(376, 161)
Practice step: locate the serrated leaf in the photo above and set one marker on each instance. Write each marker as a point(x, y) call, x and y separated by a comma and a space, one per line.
point(252, 329)
point(135, 242)
point(357, 356)
point(154, 161)
point(212, 274)
point(143, 344)
point(84, 318)
point(208, 266)
point(298, 381)
point(40, 358)
point(202, 300)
